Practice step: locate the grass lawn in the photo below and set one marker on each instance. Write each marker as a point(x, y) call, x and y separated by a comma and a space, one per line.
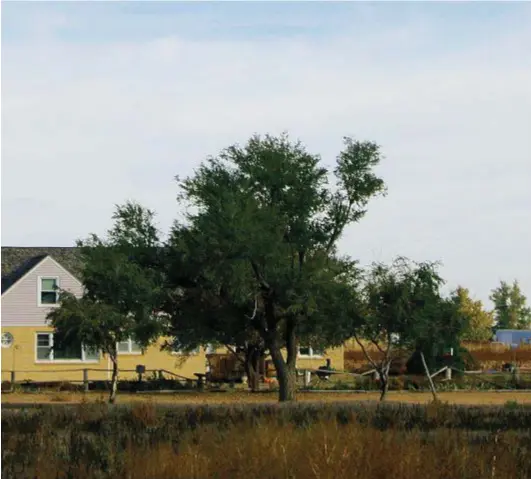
point(239, 397)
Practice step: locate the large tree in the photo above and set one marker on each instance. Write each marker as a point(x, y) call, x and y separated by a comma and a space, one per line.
point(478, 321)
point(510, 306)
point(122, 282)
point(268, 215)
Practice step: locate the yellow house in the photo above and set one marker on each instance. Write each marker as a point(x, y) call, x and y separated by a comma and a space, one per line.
point(30, 277)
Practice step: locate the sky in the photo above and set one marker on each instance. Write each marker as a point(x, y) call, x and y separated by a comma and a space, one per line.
point(104, 102)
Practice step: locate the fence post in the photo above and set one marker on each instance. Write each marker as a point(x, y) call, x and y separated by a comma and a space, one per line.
point(307, 375)
point(448, 373)
point(85, 380)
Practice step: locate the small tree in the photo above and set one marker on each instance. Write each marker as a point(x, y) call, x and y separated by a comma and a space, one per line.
point(478, 321)
point(510, 307)
point(393, 313)
point(123, 289)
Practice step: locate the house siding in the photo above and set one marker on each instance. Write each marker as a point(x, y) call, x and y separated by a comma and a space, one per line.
point(21, 358)
point(20, 303)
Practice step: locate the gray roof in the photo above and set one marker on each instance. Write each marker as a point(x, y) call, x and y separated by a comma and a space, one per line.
point(17, 261)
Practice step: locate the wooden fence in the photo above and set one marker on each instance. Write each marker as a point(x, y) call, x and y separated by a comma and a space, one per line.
point(85, 380)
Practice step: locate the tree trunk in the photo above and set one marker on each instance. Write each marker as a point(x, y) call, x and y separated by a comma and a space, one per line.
point(384, 386)
point(286, 370)
point(383, 374)
point(285, 376)
point(114, 379)
point(287, 389)
point(252, 367)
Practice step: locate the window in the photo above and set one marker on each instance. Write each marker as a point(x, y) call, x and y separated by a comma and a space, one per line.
point(309, 352)
point(48, 291)
point(47, 351)
point(7, 340)
point(129, 347)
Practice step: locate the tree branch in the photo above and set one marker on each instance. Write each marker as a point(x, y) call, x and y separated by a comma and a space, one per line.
point(235, 353)
point(255, 309)
point(263, 284)
point(366, 353)
point(373, 341)
point(340, 224)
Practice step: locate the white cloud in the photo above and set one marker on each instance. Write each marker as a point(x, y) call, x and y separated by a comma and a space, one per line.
point(89, 124)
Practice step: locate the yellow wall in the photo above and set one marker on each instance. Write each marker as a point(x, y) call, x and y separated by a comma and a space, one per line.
point(21, 357)
point(334, 354)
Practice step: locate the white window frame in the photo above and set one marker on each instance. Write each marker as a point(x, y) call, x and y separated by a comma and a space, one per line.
point(39, 291)
point(311, 353)
point(59, 361)
point(129, 351)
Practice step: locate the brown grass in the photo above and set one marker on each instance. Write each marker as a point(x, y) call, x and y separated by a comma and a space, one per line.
point(324, 450)
point(187, 398)
point(299, 441)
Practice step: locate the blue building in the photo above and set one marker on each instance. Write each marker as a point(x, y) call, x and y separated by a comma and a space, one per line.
point(514, 337)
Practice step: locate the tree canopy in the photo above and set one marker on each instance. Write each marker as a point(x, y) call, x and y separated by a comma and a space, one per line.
point(123, 289)
point(510, 307)
point(479, 322)
point(266, 219)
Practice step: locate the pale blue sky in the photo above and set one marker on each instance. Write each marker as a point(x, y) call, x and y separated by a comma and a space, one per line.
point(106, 101)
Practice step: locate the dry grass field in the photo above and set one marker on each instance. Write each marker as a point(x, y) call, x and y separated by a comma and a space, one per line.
point(353, 440)
point(240, 397)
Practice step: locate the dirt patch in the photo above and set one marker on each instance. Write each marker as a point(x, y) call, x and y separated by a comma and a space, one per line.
point(460, 397)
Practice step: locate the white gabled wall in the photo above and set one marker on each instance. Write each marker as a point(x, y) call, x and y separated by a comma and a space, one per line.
point(20, 303)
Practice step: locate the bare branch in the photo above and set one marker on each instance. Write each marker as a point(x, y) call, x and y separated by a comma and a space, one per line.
point(238, 357)
point(263, 284)
point(373, 341)
point(255, 309)
point(366, 353)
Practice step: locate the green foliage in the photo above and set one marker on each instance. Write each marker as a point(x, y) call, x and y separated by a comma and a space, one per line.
point(399, 302)
point(256, 258)
point(122, 287)
point(478, 321)
point(512, 405)
point(510, 307)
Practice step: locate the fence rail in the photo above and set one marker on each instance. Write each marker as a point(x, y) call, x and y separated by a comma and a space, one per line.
point(307, 373)
point(85, 380)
